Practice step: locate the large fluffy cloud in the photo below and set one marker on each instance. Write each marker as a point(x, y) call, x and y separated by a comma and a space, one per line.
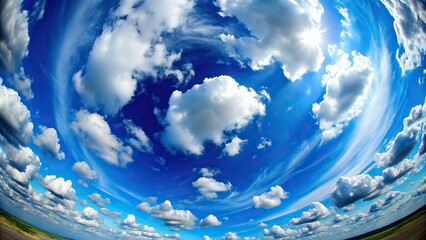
point(315, 212)
point(209, 187)
point(129, 49)
point(84, 171)
point(293, 43)
point(59, 186)
point(270, 199)
point(347, 84)
point(406, 140)
point(206, 111)
point(350, 189)
point(48, 141)
point(20, 163)
point(14, 36)
point(15, 124)
point(409, 25)
point(391, 174)
point(96, 134)
point(175, 219)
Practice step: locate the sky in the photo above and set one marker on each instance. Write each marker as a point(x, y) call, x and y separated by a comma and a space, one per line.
point(225, 119)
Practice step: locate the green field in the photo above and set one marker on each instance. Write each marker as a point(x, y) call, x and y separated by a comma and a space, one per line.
point(24, 228)
point(403, 225)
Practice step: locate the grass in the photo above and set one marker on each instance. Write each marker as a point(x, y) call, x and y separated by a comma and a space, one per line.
point(24, 228)
point(399, 227)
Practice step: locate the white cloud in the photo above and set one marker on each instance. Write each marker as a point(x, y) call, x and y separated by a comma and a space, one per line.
point(264, 142)
point(262, 225)
point(96, 134)
point(38, 10)
point(315, 212)
point(339, 218)
point(90, 213)
point(139, 140)
point(128, 50)
point(48, 141)
point(346, 22)
point(410, 19)
point(20, 163)
point(172, 236)
point(270, 199)
point(84, 171)
point(175, 219)
point(406, 140)
point(130, 222)
point(234, 146)
point(107, 212)
point(22, 83)
point(208, 110)
point(98, 200)
point(347, 84)
point(59, 186)
point(350, 189)
point(391, 174)
point(86, 222)
point(231, 236)
point(15, 124)
point(422, 148)
point(14, 38)
point(293, 44)
point(82, 183)
point(210, 220)
point(279, 232)
point(208, 172)
point(209, 187)
point(206, 237)
point(390, 198)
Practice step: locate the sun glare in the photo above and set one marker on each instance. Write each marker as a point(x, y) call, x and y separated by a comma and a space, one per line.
point(312, 37)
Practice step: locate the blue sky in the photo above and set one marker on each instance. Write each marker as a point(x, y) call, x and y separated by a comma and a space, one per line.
point(212, 119)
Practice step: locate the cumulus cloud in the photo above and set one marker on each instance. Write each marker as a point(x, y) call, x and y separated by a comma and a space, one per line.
point(390, 198)
point(15, 124)
point(59, 186)
point(130, 222)
point(96, 134)
point(86, 222)
point(48, 141)
point(350, 189)
point(406, 140)
point(291, 44)
point(231, 236)
point(172, 236)
point(338, 218)
point(391, 174)
point(128, 50)
point(277, 232)
point(82, 183)
point(107, 212)
point(210, 220)
point(175, 219)
point(84, 171)
point(347, 84)
point(209, 187)
point(14, 36)
point(233, 147)
point(90, 213)
point(208, 110)
point(98, 200)
point(20, 163)
point(208, 172)
point(270, 199)
point(22, 83)
point(139, 139)
point(409, 24)
point(422, 148)
point(315, 212)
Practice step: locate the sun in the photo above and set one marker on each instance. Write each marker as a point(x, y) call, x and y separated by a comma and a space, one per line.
point(312, 37)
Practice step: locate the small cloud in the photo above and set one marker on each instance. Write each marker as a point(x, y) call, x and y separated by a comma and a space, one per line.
point(315, 212)
point(98, 200)
point(264, 142)
point(84, 171)
point(109, 213)
point(210, 220)
point(209, 187)
point(270, 199)
point(233, 148)
point(262, 225)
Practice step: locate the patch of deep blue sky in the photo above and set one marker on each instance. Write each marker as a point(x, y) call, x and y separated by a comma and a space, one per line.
point(288, 121)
